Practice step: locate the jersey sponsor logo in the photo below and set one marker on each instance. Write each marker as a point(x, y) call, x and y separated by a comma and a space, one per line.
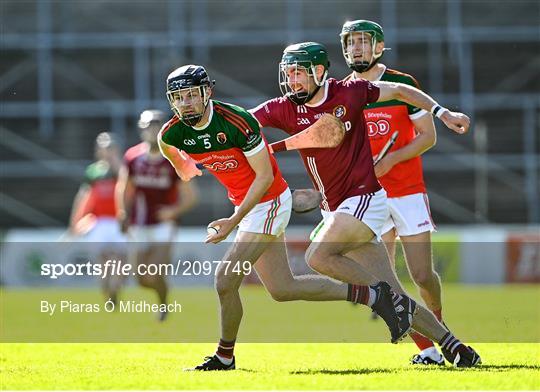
point(221, 138)
point(380, 127)
point(203, 136)
point(370, 115)
point(190, 142)
point(230, 164)
point(339, 111)
point(303, 121)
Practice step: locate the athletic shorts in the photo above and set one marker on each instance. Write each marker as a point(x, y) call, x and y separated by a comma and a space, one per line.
point(145, 235)
point(269, 217)
point(371, 209)
point(105, 234)
point(409, 214)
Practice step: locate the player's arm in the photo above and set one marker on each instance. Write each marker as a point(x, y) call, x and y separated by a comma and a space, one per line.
point(80, 206)
point(182, 163)
point(426, 138)
point(188, 195)
point(456, 121)
point(264, 176)
point(123, 197)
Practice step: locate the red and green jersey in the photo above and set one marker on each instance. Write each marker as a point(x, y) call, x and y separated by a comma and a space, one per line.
point(101, 180)
point(222, 147)
point(383, 119)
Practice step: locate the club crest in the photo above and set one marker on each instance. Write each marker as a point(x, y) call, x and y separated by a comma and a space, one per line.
point(221, 138)
point(339, 111)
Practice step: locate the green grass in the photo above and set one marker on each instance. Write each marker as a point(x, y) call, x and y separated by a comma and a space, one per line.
point(261, 366)
point(502, 321)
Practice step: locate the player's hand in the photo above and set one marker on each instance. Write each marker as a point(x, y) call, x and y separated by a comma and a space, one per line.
point(123, 221)
point(385, 165)
point(186, 168)
point(305, 200)
point(188, 176)
point(457, 122)
point(226, 225)
point(167, 214)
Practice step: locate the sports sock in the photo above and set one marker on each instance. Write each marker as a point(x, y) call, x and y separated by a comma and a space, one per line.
point(421, 341)
point(359, 294)
point(450, 342)
point(225, 351)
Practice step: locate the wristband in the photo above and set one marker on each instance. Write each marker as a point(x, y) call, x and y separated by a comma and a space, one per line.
point(437, 110)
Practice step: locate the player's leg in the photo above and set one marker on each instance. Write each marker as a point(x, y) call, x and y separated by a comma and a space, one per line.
point(389, 239)
point(343, 232)
point(373, 257)
point(276, 275)
point(247, 247)
point(109, 241)
point(417, 249)
point(257, 230)
point(158, 255)
point(150, 255)
point(340, 234)
point(112, 283)
point(414, 225)
point(418, 255)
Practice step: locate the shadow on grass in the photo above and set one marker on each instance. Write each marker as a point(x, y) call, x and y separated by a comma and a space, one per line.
point(359, 371)
point(344, 371)
point(482, 368)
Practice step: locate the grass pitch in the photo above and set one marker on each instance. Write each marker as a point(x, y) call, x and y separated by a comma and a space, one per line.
point(504, 314)
point(327, 366)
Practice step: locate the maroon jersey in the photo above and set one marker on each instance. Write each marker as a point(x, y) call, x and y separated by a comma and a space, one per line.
point(155, 184)
point(341, 172)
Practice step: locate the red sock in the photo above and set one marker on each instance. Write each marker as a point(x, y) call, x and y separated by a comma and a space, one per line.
point(225, 349)
point(421, 341)
point(358, 294)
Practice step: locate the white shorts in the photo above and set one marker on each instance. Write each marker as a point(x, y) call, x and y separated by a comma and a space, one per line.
point(409, 214)
point(106, 235)
point(160, 232)
point(371, 209)
point(269, 217)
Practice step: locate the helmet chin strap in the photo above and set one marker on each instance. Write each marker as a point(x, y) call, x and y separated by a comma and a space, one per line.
point(191, 120)
point(364, 66)
point(303, 97)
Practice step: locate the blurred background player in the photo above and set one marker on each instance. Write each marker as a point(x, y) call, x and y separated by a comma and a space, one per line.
point(93, 214)
point(150, 199)
point(400, 171)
